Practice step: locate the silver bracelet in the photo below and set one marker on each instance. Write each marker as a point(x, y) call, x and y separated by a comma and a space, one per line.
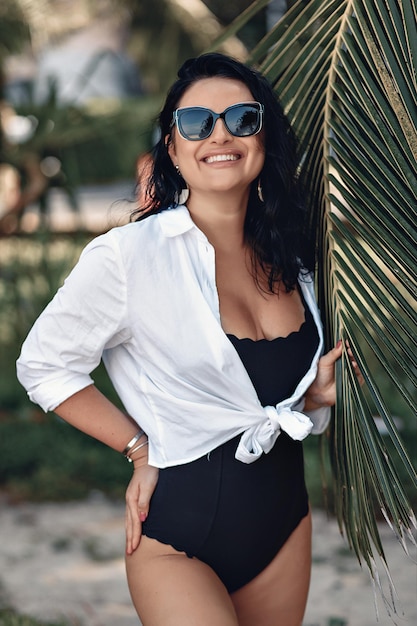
point(141, 445)
point(132, 442)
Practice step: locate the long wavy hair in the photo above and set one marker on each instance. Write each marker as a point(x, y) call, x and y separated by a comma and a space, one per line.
point(275, 227)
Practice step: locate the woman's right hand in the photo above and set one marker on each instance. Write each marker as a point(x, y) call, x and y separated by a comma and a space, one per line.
point(138, 496)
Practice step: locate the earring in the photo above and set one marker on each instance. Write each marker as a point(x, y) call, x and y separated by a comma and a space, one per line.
point(182, 197)
point(259, 189)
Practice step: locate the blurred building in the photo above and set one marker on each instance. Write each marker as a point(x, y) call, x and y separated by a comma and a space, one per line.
point(88, 64)
point(78, 51)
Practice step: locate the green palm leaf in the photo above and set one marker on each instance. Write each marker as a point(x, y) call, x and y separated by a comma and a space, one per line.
point(345, 72)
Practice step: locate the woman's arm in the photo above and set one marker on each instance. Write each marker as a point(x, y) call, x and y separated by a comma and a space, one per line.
point(92, 413)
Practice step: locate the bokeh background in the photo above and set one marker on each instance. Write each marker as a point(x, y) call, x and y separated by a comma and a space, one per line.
point(81, 83)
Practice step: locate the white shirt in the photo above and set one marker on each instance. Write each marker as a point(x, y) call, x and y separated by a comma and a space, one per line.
point(143, 297)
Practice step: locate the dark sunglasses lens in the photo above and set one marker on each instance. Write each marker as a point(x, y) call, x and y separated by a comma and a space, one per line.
point(243, 120)
point(195, 123)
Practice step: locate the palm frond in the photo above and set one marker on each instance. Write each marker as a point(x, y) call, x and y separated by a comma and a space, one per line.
point(345, 72)
point(238, 23)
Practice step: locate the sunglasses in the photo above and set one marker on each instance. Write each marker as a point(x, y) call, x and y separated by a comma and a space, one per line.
point(241, 120)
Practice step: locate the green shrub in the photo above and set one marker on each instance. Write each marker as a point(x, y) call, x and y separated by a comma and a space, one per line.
point(50, 460)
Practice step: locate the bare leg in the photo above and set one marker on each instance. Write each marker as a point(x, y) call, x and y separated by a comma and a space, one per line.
point(278, 595)
point(169, 589)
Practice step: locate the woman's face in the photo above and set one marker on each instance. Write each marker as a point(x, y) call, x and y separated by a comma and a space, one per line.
point(221, 162)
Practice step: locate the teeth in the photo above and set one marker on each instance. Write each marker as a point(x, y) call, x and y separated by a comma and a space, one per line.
point(221, 157)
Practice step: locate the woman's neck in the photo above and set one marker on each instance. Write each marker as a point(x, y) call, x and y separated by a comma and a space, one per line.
point(221, 217)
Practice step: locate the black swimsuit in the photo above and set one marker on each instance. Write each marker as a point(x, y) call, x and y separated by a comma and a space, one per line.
point(235, 516)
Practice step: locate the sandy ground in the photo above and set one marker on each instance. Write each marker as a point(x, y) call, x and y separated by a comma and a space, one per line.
point(66, 560)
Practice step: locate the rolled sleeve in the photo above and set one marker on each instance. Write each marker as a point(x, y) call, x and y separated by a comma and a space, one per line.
point(320, 417)
point(67, 341)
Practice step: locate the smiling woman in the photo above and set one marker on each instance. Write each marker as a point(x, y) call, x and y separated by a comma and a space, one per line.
point(218, 150)
point(206, 319)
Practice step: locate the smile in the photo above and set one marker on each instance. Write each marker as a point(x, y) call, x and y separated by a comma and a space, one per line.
point(221, 157)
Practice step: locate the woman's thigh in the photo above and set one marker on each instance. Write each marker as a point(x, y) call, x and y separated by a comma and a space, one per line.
point(278, 595)
point(170, 589)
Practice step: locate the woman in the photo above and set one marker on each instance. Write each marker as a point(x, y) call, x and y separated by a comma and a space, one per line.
point(203, 311)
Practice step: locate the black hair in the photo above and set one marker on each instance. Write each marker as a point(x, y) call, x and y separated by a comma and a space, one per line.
point(275, 228)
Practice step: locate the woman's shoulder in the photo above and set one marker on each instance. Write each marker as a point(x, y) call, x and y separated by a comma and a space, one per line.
point(132, 230)
point(138, 239)
point(125, 236)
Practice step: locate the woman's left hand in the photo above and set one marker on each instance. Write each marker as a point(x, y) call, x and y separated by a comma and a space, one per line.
point(322, 392)
point(138, 496)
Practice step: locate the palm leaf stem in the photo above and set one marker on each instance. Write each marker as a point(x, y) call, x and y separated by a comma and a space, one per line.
point(375, 99)
point(409, 20)
point(390, 35)
point(392, 89)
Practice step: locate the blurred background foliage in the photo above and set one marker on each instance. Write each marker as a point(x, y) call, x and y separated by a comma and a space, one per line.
point(155, 35)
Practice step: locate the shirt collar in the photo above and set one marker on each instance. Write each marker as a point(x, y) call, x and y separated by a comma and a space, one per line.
point(175, 221)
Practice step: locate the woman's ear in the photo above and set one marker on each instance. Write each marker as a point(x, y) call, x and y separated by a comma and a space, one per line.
point(170, 146)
